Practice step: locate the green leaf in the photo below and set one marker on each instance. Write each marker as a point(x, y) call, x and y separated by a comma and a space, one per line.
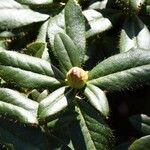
point(148, 2)
point(97, 98)
point(17, 106)
point(141, 144)
point(134, 34)
point(148, 9)
point(66, 52)
point(90, 132)
point(27, 71)
point(56, 25)
point(75, 25)
point(100, 21)
point(62, 121)
point(54, 103)
point(122, 71)
point(141, 123)
point(39, 47)
point(24, 138)
point(35, 2)
point(14, 15)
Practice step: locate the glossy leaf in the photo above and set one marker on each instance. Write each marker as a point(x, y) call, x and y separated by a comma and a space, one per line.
point(75, 25)
point(97, 98)
point(99, 21)
point(122, 71)
point(98, 5)
point(39, 47)
point(35, 2)
point(141, 123)
point(56, 25)
point(141, 144)
point(25, 62)
point(66, 52)
point(17, 106)
point(24, 138)
point(54, 103)
point(134, 34)
point(90, 131)
point(14, 15)
point(27, 71)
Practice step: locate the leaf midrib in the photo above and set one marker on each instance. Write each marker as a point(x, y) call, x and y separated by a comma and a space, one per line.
point(105, 76)
point(85, 125)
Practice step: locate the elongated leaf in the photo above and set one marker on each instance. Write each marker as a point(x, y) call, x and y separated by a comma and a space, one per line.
point(24, 138)
point(122, 71)
point(17, 106)
point(141, 144)
point(134, 34)
point(28, 63)
point(75, 25)
point(100, 21)
point(56, 25)
point(66, 52)
point(97, 98)
point(54, 103)
point(35, 2)
point(27, 71)
point(27, 79)
point(98, 5)
point(141, 123)
point(90, 131)
point(14, 15)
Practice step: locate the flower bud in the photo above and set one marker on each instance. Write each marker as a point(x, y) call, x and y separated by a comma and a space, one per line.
point(76, 77)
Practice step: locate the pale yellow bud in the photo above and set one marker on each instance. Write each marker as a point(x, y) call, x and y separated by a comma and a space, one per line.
point(76, 77)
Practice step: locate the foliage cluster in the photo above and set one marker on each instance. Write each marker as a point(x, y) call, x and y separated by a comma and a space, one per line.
point(74, 74)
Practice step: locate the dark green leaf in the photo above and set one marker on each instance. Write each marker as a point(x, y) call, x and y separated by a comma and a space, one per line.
point(39, 47)
point(14, 15)
point(23, 138)
point(56, 25)
point(122, 71)
point(54, 103)
point(148, 2)
point(27, 79)
point(66, 52)
point(25, 62)
point(90, 132)
point(141, 144)
point(62, 121)
point(75, 25)
point(97, 98)
point(17, 106)
point(141, 123)
point(28, 71)
point(134, 34)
